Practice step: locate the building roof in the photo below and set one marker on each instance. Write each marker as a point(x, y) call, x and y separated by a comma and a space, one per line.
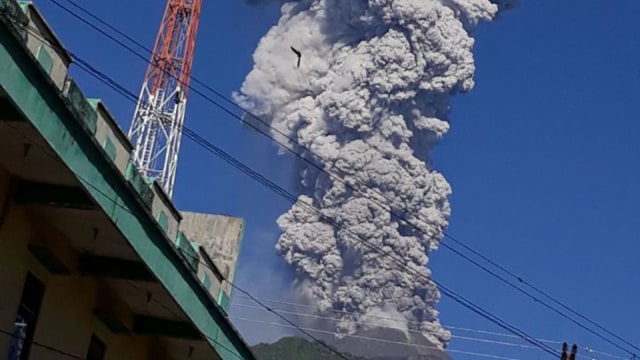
point(92, 170)
point(50, 34)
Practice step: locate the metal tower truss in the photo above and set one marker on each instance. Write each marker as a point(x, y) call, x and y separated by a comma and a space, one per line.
point(156, 128)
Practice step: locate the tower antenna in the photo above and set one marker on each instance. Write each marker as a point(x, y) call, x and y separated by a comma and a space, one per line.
point(156, 128)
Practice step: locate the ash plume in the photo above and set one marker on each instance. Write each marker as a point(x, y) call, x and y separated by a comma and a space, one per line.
point(368, 102)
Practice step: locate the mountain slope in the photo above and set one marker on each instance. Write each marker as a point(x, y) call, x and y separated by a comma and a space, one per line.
point(295, 348)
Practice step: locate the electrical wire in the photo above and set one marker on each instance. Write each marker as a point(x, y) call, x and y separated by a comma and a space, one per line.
point(379, 340)
point(315, 308)
point(590, 350)
point(27, 138)
point(393, 214)
point(277, 312)
point(316, 166)
point(284, 193)
point(115, 88)
point(519, 278)
point(463, 329)
point(386, 326)
point(46, 347)
point(468, 338)
point(166, 307)
point(87, 183)
point(542, 292)
point(446, 291)
point(292, 324)
point(118, 88)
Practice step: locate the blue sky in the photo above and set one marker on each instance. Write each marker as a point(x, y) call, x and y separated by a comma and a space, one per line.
point(542, 157)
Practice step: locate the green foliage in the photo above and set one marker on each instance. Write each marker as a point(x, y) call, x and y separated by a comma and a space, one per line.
point(295, 348)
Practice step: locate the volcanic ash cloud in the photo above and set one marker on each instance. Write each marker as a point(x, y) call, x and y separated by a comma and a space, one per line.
point(368, 102)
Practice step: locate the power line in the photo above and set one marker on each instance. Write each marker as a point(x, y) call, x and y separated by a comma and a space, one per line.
point(259, 178)
point(392, 213)
point(287, 195)
point(203, 263)
point(588, 349)
point(381, 340)
point(385, 326)
point(126, 209)
point(293, 151)
point(166, 307)
point(448, 292)
point(540, 291)
point(314, 308)
point(456, 297)
point(232, 284)
point(490, 341)
point(301, 329)
point(463, 329)
point(87, 67)
point(266, 307)
point(46, 347)
point(283, 192)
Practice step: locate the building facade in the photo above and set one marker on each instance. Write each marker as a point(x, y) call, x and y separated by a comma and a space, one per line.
point(95, 261)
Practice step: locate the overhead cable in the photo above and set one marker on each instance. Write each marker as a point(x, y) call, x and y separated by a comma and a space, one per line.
point(392, 213)
point(381, 340)
point(461, 329)
point(287, 195)
point(46, 347)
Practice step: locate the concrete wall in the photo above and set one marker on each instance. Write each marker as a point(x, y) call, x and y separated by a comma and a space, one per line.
point(220, 237)
point(66, 318)
point(209, 278)
point(40, 38)
point(165, 212)
point(108, 132)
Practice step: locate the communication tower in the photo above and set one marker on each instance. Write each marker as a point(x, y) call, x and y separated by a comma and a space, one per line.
point(156, 128)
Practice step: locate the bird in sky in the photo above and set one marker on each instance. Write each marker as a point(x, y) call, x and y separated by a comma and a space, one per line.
point(298, 53)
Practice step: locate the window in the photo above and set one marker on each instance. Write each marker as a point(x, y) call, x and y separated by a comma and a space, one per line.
point(162, 220)
point(26, 319)
point(206, 281)
point(44, 59)
point(109, 148)
point(97, 349)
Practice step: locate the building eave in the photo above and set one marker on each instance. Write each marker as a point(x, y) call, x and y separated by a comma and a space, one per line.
point(51, 34)
point(43, 106)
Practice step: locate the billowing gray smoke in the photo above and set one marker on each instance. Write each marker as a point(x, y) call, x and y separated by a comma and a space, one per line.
point(369, 100)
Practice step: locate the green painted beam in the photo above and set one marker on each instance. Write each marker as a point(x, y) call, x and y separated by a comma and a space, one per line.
point(73, 197)
point(150, 326)
point(36, 96)
point(101, 266)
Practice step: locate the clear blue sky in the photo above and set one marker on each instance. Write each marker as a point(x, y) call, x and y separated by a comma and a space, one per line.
point(543, 157)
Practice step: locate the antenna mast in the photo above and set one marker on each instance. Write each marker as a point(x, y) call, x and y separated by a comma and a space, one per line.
point(156, 128)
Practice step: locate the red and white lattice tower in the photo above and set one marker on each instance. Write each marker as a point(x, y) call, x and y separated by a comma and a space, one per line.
point(157, 123)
